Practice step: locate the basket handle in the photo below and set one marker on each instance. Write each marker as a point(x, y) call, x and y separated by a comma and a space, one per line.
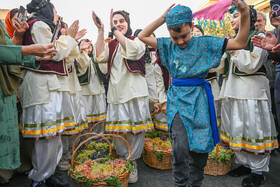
point(103, 136)
point(217, 151)
point(96, 125)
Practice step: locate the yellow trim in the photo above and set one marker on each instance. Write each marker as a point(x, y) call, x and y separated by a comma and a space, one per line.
point(43, 131)
point(93, 119)
point(69, 124)
point(243, 144)
point(162, 127)
point(77, 129)
point(129, 127)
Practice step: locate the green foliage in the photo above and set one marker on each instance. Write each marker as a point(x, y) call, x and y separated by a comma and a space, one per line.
point(159, 154)
point(83, 179)
point(113, 181)
point(153, 134)
point(129, 164)
point(223, 155)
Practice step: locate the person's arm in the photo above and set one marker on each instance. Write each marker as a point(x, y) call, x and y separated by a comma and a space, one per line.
point(100, 42)
point(145, 34)
point(41, 34)
point(119, 36)
point(241, 39)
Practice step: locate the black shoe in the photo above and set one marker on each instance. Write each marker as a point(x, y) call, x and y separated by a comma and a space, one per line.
point(240, 171)
point(41, 184)
point(253, 180)
point(56, 180)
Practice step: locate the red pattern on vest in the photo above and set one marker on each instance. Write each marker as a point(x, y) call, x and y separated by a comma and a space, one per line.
point(133, 66)
point(46, 66)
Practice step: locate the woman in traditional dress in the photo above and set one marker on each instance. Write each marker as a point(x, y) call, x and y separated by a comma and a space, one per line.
point(42, 96)
point(128, 111)
point(247, 122)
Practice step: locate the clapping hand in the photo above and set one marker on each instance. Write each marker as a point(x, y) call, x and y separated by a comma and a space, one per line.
point(276, 49)
point(266, 43)
point(73, 29)
point(80, 34)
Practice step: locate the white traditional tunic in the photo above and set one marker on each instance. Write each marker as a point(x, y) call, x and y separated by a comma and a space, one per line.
point(247, 121)
point(43, 92)
point(128, 105)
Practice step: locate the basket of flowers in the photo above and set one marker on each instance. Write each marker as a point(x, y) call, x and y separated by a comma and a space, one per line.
point(219, 161)
point(101, 172)
point(157, 150)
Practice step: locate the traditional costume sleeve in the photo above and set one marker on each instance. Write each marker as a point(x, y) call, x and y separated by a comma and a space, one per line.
point(160, 85)
point(83, 63)
point(212, 47)
point(135, 49)
point(41, 34)
point(163, 45)
point(220, 68)
point(250, 62)
point(104, 56)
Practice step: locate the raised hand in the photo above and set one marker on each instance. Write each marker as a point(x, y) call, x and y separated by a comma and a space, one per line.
point(111, 19)
point(19, 28)
point(240, 5)
point(85, 45)
point(266, 43)
point(73, 29)
point(97, 21)
point(275, 21)
point(80, 34)
point(169, 8)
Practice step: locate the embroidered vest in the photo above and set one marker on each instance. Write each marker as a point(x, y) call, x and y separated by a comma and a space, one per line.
point(133, 66)
point(46, 66)
point(235, 70)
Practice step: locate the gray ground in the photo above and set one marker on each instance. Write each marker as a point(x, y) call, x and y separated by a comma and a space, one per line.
point(149, 177)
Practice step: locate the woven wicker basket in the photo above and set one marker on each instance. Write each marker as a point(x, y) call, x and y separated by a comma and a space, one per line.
point(124, 178)
point(150, 158)
point(213, 167)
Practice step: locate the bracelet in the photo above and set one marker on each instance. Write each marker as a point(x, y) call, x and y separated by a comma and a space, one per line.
point(114, 28)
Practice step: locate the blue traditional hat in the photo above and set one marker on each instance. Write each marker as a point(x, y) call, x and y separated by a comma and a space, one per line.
point(178, 14)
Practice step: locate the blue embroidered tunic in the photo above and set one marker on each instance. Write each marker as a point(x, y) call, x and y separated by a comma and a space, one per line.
point(195, 61)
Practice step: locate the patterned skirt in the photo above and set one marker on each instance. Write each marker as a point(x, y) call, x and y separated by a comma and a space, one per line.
point(130, 117)
point(48, 120)
point(248, 125)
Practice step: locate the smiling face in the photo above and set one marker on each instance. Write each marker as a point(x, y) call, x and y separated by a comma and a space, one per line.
point(260, 23)
point(235, 20)
point(120, 22)
point(181, 39)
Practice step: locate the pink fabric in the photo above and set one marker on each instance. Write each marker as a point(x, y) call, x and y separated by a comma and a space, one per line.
point(215, 11)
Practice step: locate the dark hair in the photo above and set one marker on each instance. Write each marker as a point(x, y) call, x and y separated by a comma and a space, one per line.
point(42, 7)
point(13, 12)
point(199, 28)
point(126, 17)
point(87, 40)
point(178, 27)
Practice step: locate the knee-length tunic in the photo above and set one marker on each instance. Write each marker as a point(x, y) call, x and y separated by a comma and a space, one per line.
point(195, 61)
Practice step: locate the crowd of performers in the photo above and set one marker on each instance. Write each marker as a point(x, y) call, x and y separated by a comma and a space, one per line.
point(65, 87)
